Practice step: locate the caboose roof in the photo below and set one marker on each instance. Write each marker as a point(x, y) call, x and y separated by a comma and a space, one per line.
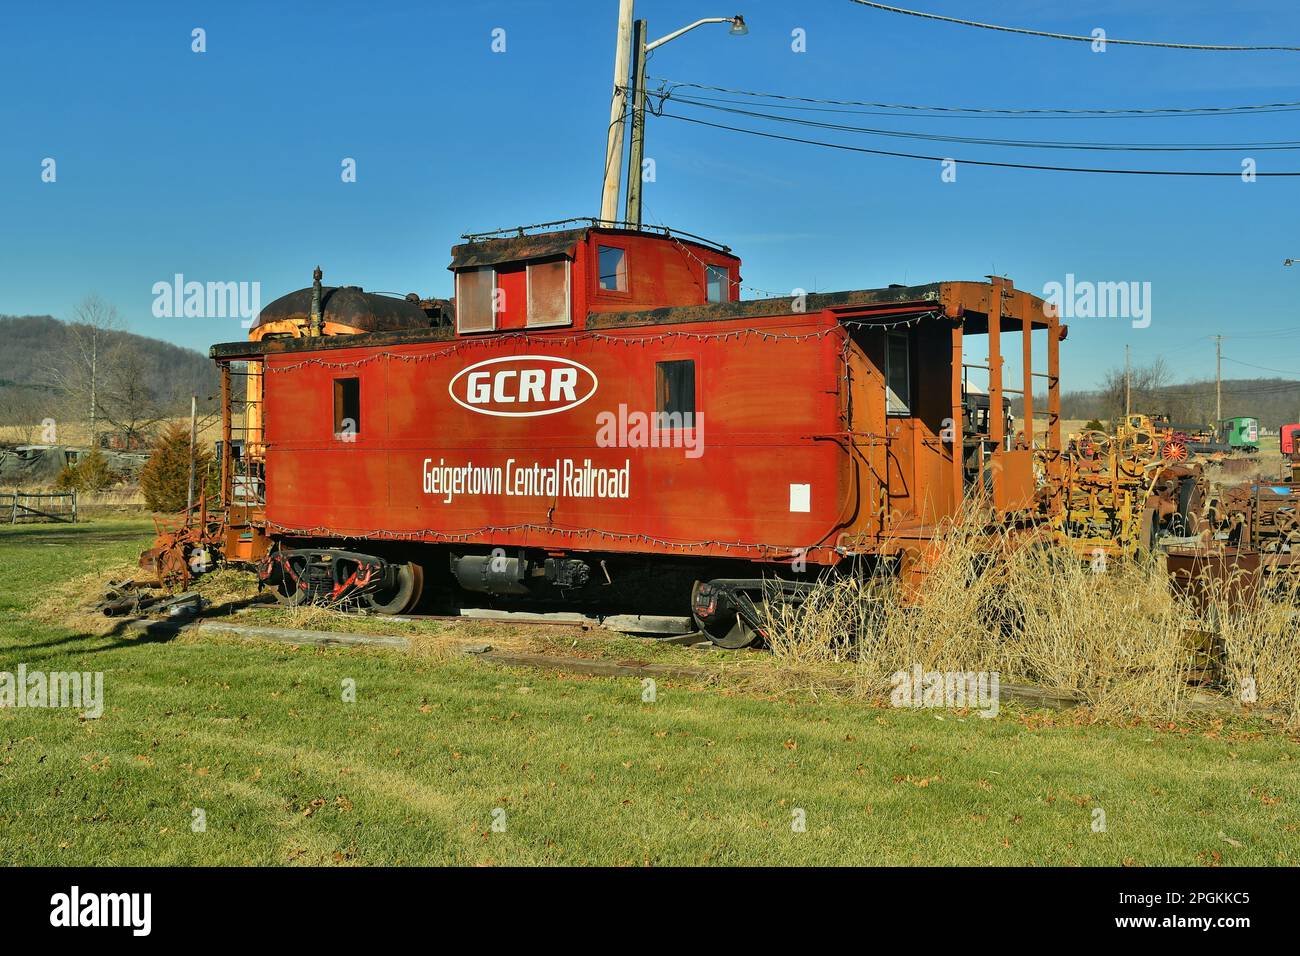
point(961, 301)
point(544, 240)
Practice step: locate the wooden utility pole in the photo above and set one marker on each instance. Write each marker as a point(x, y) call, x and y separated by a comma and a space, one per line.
point(1128, 386)
point(94, 374)
point(617, 110)
point(194, 437)
point(636, 154)
point(1218, 382)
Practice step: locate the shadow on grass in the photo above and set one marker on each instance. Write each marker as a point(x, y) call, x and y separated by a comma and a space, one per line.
point(134, 631)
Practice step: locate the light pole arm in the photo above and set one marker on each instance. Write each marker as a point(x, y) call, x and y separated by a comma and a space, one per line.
point(632, 213)
point(676, 33)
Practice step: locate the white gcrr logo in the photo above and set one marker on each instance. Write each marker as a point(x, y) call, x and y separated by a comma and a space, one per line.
point(521, 386)
point(530, 386)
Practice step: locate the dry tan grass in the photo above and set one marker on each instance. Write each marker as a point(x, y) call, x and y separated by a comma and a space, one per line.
point(1120, 639)
point(71, 602)
point(1261, 647)
point(77, 432)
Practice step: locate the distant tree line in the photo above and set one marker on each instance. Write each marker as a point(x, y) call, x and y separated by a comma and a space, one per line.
point(1274, 401)
point(92, 372)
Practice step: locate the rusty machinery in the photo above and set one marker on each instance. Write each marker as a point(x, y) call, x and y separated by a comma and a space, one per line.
point(186, 545)
point(1118, 496)
point(1263, 518)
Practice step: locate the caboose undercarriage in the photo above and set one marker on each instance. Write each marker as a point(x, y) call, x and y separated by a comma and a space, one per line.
point(406, 578)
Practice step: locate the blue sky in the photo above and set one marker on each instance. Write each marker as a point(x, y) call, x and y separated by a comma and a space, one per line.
point(225, 166)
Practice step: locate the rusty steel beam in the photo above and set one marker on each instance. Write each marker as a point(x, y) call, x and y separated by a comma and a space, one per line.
point(1027, 361)
point(226, 429)
point(1055, 459)
point(958, 444)
point(997, 423)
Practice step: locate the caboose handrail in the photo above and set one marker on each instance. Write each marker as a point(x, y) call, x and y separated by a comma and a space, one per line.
point(594, 223)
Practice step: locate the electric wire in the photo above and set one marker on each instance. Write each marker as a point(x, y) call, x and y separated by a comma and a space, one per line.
point(1216, 48)
point(974, 162)
point(988, 141)
point(793, 102)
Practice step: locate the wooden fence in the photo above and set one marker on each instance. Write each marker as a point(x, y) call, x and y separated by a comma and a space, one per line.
point(17, 508)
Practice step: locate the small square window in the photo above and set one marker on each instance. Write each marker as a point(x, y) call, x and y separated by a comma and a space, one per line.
point(476, 299)
point(898, 385)
point(675, 393)
point(717, 283)
point(613, 269)
point(347, 408)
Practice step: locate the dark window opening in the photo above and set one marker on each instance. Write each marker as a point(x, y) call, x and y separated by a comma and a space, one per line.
point(347, 408)
point(675, 393)
point(898, 384)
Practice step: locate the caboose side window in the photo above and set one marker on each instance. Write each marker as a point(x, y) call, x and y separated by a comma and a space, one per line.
point(675, 393)
point(476, 299)
point(613, 269)
point(347, 408)
point(717, 283)
point(548, 292)
point(898, 383)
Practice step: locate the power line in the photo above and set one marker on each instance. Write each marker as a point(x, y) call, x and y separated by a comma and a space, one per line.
point(1263, 334)
point(1262, 368)
point(992, 112)
point(986, 141)
point(942, 112)
point(969, 162)
point(1241, 387)
point(1075, 37)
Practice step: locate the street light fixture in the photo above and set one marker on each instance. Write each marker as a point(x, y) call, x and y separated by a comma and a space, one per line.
point(738, 29)
point(1288, 262)
point(640, 47)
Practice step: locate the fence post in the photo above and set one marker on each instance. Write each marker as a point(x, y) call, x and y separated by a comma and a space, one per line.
point(74, 505)
point(13, 516)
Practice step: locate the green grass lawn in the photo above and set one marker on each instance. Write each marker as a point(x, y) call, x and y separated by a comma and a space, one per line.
point(258, 738)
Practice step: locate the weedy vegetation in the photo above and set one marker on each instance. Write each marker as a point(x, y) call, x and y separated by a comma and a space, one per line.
point(1114, 634)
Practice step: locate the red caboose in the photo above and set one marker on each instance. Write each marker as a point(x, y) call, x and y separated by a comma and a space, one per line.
point(1288, 440)
point(600, 422)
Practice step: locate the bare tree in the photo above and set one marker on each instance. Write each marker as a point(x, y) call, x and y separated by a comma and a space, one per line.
point(22, 413)
point(126, 398)
point(1141, 385)
point(79, 373)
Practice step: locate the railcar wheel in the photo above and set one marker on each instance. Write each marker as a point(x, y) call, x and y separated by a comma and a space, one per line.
point(402, 596)
point(731, 632)
point(287, 590)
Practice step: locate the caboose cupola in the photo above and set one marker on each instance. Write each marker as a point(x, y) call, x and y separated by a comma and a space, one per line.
point(550, 276)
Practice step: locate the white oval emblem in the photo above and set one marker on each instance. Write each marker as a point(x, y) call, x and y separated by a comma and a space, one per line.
point(522, 386)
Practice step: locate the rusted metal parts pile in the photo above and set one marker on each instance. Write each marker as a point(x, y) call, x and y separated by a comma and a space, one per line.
point(1120, 498)
point(1132, 493)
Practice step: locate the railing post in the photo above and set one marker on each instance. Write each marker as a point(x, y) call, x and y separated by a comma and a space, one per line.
point(997, 425)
